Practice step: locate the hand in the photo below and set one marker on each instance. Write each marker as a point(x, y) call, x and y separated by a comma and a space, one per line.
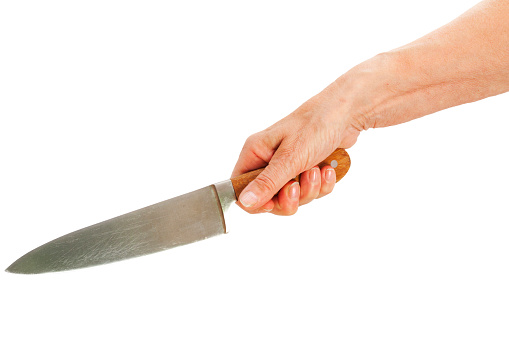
point(294, 146)
point(372, 94)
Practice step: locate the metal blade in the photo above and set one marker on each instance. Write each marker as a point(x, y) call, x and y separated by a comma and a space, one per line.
point(182, 220)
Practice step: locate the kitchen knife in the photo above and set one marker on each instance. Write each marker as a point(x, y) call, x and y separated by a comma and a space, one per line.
point(182, 220)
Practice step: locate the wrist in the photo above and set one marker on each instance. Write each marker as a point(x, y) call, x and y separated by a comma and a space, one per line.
point(405, 84)
point(369, 94)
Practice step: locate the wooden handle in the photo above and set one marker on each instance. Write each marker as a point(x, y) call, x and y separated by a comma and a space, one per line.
point(339, 160)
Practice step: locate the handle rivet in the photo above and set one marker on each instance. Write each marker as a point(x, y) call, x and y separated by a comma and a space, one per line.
point(334, 163)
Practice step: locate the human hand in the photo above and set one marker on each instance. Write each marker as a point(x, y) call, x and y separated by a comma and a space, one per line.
point(294, 145)
point(372, 94)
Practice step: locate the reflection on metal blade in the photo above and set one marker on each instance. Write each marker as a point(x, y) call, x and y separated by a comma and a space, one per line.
point(182, 220)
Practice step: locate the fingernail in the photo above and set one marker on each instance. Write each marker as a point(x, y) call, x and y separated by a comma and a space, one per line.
point(330, 175)
point(248, 199)
point(294, 191)
point(314, 175)
point(267, 210)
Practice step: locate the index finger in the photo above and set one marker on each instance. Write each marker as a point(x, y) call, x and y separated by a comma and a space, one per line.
point(255, 154)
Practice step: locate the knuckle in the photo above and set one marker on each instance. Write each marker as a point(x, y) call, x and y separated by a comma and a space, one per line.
point(251, 141)
point(291, 210)
point(325, 191)
point(246, 210)
point(327, 188)
point(285, 211)
point(258, 145)
point(266, 183)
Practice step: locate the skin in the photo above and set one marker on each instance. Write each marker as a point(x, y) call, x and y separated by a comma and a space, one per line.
point(461, 62)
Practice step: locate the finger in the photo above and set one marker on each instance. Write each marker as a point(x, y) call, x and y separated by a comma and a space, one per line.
point(268, 207)
point(250, 159)
point(309, 185)
point(287, 200)
point(256, 153)
point(279, 171)
point(328, 176)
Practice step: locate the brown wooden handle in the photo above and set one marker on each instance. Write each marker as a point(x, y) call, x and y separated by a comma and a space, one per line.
point(339, 160)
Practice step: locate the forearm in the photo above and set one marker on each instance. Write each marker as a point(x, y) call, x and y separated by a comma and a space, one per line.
point(463, 61)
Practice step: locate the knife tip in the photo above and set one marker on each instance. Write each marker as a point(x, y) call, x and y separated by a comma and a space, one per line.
point(17, 269)
point(10, 270)
point(16, 272)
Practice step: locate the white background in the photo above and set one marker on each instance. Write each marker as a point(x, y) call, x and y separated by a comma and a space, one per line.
point(109, 106)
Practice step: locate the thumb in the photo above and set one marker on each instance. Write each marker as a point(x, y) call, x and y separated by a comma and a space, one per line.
point(282, 168)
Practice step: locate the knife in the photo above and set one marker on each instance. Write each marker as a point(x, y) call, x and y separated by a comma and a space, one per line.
point(179, 221)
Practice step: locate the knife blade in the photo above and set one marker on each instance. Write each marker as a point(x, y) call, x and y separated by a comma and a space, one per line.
point(178, 221)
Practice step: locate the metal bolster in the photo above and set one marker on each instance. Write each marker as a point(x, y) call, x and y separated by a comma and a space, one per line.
point(226, 196)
